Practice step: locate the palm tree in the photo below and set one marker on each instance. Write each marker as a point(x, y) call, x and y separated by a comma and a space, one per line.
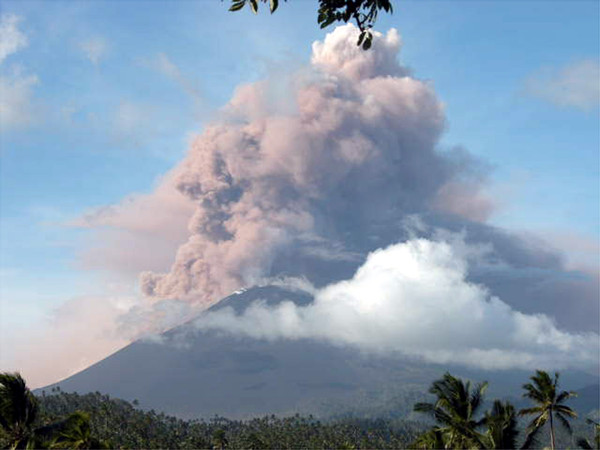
point(253, 442)
point(219, 439)
point(456, 411)
point(18, 409)
point(19, 417)
point(430, 440)
point(545, 393)
point(74, 432)
point(585, 443)
point(501, 424)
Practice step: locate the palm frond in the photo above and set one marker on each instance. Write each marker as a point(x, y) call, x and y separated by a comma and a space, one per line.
point(565, 410)
point(584, 444)
point(531, 437)
point(564, 422)
point(528, 411)
point(18, 408)
point(564, 395)
point(426, 408)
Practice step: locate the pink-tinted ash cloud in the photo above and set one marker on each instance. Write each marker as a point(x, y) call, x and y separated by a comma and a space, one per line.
point(356, 150)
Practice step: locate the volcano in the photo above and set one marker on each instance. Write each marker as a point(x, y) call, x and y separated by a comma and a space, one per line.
point(192, 373)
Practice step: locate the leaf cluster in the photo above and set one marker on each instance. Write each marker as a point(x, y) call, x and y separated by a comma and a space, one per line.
point(23, 426)
point(236, 5)
point(549, 404)
point(459, 423)
point(362, 12)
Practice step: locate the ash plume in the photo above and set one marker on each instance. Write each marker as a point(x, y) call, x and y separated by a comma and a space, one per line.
point(352, 155)
point(308, 183)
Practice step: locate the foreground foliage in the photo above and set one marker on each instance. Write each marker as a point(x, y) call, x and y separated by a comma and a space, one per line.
point(455, 410)
point(22, 425)
point(587, 443)
point(459, 423)
point(362, 12)
point(123, 426)
point(18, 409)
point(70, 420)
point(549, 400)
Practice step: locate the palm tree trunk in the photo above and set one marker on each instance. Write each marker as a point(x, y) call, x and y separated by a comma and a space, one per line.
point(552, 443)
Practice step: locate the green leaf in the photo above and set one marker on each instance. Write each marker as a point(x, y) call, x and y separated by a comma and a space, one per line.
point(361, 38)
point(237, 5)
point(254, 6)
point(274, 4)
point(328, 22)
point(368, 42)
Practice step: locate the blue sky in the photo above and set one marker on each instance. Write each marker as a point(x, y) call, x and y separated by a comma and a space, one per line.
point(116, 89)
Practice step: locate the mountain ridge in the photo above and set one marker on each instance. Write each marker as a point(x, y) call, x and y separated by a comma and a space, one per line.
point(191, 373)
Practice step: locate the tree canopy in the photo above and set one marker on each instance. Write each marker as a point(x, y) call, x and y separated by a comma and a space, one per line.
point(70, 420)
point(549, 400)
point(361, 12)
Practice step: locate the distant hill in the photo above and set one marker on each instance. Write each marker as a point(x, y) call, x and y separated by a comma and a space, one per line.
point(190, 373)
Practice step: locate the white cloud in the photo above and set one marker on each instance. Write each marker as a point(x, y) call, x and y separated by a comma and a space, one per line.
point(167, 67)
point(576, 85)
point(11, 38)
point(94, 49)
point(16, 104)
point(414, 299)
point(338, 54)
point(133, 122)
point(16, 87)
point(164, 65)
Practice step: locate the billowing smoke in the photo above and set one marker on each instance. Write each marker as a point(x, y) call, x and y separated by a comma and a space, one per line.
point(413, 299)
point(143, 232)
point(305, 176)
point(330, 174)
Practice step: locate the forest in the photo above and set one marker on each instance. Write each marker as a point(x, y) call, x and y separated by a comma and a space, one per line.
point(458, 416)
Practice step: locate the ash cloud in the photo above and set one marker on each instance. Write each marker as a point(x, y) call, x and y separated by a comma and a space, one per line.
point(354, 154)
point(309, 184)
point(143, 232)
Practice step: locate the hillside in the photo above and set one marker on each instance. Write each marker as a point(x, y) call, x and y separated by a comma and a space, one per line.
point(192, 374)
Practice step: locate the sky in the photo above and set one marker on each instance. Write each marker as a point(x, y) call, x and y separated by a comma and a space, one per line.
point(99, 101)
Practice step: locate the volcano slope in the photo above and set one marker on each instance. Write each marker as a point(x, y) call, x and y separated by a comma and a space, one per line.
point(194, 373)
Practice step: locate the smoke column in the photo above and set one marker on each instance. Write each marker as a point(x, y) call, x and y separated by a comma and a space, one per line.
point(350, 154)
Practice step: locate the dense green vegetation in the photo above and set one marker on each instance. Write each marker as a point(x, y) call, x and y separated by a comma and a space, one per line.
point(70, 420)
point(120, 425)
